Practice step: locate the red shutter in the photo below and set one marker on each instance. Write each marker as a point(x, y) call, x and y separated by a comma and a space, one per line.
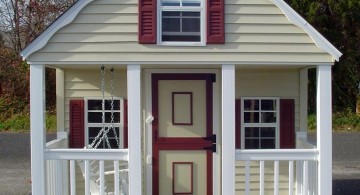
point(125, 124)
point(287, 123)
point(215, 22)
point(147, 21)
point(238, 124)
point(77, 130)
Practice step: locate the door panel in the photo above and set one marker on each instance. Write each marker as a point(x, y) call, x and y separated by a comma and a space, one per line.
point(175, 104)
point(182, 110)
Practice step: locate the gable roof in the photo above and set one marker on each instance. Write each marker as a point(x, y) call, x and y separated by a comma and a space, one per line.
point(71, 14)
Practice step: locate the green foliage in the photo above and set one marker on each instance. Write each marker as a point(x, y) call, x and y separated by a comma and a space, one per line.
point(345, 121)
point(339, 22)
point(21, 123)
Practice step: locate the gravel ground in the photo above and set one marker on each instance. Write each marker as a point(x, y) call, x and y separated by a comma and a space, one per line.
point(15, 163)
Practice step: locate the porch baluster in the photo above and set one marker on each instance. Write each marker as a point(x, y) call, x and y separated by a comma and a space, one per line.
point(291, 177)
point(262, 177)
point(276, 177)
point(72, 178)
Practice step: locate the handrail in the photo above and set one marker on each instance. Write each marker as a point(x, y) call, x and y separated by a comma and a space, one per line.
point(87, 154)
point(277, 154)
point(56, 143)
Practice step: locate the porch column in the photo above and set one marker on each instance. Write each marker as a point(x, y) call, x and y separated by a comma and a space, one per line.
point(37, 128)
point(228, 129)
point(324, 128)
point(134, 124)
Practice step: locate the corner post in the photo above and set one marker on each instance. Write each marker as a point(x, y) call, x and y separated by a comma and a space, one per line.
point(228, 129)
point(134, 124)
point(37, 128)
point(324, 128)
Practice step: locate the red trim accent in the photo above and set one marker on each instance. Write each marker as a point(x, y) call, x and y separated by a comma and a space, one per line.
point(215, 22)
point(191, 108)
point(77, 124)
point(147, 21)
point(287, 123)
point(191, 179)
point(182, 143)
point(126, 135)
point(238, 124)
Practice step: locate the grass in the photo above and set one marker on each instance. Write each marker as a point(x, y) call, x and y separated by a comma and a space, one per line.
point(342, 122)
point(21, 123)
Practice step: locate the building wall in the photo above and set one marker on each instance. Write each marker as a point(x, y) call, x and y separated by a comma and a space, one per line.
point(86, 83)
point(282, 83)
point(256, 31)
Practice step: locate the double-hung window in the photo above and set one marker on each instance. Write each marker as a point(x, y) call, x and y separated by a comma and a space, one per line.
point(94, 122)
point(260, 123)
point(181, 22)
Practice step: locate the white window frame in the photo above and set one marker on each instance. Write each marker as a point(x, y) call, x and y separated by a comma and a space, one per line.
point(201, 9)
point(276, 125)
point(120, 125)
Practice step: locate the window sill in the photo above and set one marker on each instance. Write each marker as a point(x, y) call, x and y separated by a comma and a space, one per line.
point(183, 44)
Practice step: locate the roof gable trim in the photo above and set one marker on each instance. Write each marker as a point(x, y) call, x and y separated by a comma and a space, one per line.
point(62, 21)
point(297, 20)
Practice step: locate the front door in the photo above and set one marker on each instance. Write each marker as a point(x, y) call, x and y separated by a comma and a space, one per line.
point(182, 134)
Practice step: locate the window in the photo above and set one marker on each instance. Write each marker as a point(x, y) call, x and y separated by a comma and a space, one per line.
point(260, 123)
point(94, 121)
point(181, 22)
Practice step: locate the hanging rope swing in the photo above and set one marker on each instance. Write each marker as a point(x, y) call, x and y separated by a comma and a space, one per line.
point(103, 133)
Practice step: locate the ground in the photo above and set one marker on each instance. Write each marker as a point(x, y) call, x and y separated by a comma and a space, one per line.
point(15, 163)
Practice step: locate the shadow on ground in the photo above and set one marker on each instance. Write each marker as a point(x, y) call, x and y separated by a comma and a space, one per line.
point(346, 186)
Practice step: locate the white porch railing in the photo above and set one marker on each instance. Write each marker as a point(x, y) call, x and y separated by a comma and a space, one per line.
point(260, 168)
point(60, 160)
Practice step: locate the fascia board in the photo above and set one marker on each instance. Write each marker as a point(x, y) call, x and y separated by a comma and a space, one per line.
point(62, 21)
point(297, 20)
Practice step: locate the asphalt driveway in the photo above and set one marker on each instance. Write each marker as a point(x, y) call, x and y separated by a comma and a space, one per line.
point(15, 163)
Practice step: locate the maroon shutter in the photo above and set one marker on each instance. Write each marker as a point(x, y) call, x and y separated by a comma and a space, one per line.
point(238, 124)
point(77, 130)
point(215, 22)
point(147, 21)
point(126, 124)
point(287, 123)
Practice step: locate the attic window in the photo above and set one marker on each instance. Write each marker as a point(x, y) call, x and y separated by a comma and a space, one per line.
point(181, 22)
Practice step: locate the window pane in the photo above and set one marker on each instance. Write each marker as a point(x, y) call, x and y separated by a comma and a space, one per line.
point(191, 25)
point(268, 132)
point(268, 117)
point(267, 143)
point(194, 4)
point(251, 104)
point(93, 132)
point(116, 117)
point(251, 117)
point(180, 38)
point(171, 25)
point(167, 13)
point(251, 143)
point(170, 3)
point(268, 105)
point(194, 14)
point(97, 104)
point(251, 132)
point(95, 117)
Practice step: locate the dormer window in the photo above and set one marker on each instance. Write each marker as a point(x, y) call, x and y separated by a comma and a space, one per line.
point(181, 22)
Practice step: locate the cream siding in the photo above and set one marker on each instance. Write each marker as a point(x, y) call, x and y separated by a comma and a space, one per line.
point(256, 31)
point(282, 83)
point(86, 83)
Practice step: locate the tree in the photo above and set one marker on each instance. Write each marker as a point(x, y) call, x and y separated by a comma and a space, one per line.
point(339, 22)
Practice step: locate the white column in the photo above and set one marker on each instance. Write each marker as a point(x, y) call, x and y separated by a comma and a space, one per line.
point(37, 128)
point(60, 100)
point(303, 99)
point(228, 129)
point(134, 124)
point(324, 129)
